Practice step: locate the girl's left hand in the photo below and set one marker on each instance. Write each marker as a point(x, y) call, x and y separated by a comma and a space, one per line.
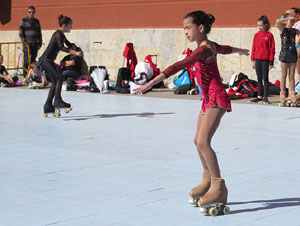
point(270, 67)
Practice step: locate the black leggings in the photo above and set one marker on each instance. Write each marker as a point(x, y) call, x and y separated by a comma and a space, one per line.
point(54, 76)
point(262, 72)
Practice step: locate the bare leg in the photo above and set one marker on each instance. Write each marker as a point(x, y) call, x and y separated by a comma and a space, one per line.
point(217, 192)
point(204, 186)
point(292, 68)
point(200, 117)
point(209, 124)
point(298, 61)
point(292, 94)
point(284, 70)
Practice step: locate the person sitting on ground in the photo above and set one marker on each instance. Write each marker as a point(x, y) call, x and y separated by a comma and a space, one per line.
point(71, 65)
point(36, 75)
point(5, 77)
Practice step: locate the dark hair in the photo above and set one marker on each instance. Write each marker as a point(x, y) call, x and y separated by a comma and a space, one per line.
point(200, 17)
point(296, 10)
point(286, 15)
point(31, 7)
point(264, 19)
point(63, 20)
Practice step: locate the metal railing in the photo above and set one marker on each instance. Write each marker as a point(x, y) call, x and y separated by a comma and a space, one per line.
point(13, 53)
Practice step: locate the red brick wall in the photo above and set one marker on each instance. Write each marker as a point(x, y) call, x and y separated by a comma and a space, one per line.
point(110, 14)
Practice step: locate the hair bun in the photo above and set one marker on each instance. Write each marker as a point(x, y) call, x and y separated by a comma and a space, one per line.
point(60, 16)
point(211, 19)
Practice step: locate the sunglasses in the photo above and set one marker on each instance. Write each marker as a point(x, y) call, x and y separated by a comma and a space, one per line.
point(31, 12)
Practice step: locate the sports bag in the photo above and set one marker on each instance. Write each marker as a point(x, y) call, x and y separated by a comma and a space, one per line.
point(182, 79)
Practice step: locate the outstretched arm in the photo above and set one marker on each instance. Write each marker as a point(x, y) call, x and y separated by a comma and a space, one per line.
point(225, 49)
point(150, 84)
point(240, 51)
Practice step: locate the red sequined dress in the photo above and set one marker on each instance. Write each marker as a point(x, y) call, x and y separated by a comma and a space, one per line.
point(207, 74)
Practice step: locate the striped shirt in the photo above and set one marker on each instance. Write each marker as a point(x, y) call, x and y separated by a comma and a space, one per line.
point(30, 31)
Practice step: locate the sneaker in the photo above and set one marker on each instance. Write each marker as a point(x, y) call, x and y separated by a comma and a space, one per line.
point(256, 100)
point(266, 101)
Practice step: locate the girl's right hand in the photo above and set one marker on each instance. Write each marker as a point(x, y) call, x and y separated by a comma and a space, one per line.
point(253, 64)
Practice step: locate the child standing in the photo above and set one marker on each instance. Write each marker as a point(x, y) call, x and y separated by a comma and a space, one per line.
point(288, 56)
point(262, 57)
point(5, 77)
point(36, 75)
point(46, 61)
point(215, 102)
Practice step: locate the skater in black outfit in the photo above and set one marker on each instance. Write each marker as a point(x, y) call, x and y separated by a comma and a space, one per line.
point(46, 61)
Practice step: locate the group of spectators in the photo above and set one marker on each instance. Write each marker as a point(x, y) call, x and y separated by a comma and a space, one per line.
point(30, 32)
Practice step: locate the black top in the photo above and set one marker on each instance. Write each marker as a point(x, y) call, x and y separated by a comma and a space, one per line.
point(288, 38)
point(2, 70)
point(56, 44)
point(76, 67)
point(288, 51)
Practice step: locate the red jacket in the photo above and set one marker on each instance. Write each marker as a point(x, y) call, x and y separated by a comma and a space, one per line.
point(263, 46)
point(131, 61)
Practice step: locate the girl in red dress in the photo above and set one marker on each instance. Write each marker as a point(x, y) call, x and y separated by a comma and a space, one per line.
point(215, 103)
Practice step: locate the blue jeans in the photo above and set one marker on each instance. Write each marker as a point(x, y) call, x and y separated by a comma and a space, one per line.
point(70, 74)
point(33, 54)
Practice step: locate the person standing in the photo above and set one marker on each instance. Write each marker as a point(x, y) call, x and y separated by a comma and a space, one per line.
point(30, 32)
point(262, 57)
point(288, 57)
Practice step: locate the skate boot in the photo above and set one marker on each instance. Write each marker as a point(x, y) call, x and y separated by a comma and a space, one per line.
point(282, 99)
point(59, 103)
point(214, 201)
point(266, 100)
point(197, 192)
point(48, 108)
point(298, 99)
point(293, 98)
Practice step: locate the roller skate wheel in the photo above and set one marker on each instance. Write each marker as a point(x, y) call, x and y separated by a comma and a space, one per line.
point(56, 115)
point(46, 115)
point(57, 111)
point(282, 104)
point(191, 201)
point(67, 110)
point(198, 202)
point(293, 105)
point(226, 210)
point(194, 202)
point(202, 210)
point(213, 211)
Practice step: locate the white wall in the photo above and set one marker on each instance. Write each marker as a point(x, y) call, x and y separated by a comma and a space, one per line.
point(166, 43)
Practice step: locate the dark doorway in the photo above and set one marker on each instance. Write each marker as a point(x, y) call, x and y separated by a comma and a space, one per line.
point(5, 12)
